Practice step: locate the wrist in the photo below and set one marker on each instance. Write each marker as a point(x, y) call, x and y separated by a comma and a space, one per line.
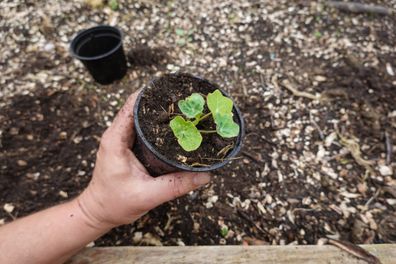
point(91, 211)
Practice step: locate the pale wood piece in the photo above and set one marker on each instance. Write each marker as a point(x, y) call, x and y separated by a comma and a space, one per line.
point(231, 254)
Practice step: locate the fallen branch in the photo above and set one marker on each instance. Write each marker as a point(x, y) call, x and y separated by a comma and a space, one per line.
point(360, 8)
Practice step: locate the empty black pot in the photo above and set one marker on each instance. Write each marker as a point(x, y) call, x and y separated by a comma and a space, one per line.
point(100, 50)
point(156, 163)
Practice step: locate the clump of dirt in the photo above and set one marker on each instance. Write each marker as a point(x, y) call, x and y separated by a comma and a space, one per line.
point(159, 105)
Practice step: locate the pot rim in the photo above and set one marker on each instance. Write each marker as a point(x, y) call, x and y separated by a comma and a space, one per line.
point(175, 164)
point(81, 35)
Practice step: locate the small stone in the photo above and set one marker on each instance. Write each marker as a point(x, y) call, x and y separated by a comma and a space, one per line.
point(2, 221)
point(307, 200)
point(33, 176)
point(77, 139)
point(389, 69)
point(181, 158)
point(30, 137)
point(391, 201)
point(90, 244)
point(22, 163)
point(137, 237)
point(180, 243)
point(268, 199)
point(385, 170)
point(14, 131)
point(63, 135)
point(362, 187)
point(320, 78)
point(63, 194)
point(196, 227)
point(8, 207)
point(40, 117)
point(48, 47)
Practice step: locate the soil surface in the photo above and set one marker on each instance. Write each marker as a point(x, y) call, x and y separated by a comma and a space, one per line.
point(316, 87)
point(158, 106)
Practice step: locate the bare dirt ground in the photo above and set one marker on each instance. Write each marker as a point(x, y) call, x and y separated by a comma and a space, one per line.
point(317, 87)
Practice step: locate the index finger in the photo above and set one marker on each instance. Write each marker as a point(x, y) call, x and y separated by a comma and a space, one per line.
point(123, 124)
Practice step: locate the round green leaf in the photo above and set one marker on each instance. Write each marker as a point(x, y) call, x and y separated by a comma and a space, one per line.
point(218, 103)
point(225, 126)
point(192, 105)
point(186, 133)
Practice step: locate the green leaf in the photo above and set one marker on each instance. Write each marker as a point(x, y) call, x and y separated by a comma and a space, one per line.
point(224, 231)
point(225, 126)
point(218, 103)
point(192, 105)
point(181, 42)
point(179, 32)
point(113, 4)
point(186, 133)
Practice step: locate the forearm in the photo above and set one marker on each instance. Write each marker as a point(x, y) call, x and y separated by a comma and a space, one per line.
point(49, 236)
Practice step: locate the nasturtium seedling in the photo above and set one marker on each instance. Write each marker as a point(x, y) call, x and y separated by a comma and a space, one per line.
point(192, 105)
point(186, 131)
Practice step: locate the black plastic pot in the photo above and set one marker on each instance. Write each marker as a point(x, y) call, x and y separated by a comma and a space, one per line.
point(156, 163)
point(100, 50)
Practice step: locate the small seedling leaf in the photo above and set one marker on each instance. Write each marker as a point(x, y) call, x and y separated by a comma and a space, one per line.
point(225, 126)
point(192, 105)
point(186, 133)
point(179, 32)
point(113, 4)
point(218, 103)
point(181, 42)
point(224, 231)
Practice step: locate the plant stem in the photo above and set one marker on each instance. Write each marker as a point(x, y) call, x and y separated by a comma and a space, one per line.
point(207, 131)
point(197, 120)
point(205, 116)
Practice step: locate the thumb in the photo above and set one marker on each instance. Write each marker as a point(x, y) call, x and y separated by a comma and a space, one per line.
point(173, 185)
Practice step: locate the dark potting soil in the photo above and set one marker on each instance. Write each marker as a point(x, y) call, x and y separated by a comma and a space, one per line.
point(159, 105)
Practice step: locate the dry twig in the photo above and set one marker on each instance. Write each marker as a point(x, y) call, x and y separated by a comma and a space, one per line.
point(353, 146)
point(389, 148)
point(298, 93)
point(355, 250)
point(360, 8)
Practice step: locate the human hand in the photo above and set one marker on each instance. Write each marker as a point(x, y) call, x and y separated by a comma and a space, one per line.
point(121, 190)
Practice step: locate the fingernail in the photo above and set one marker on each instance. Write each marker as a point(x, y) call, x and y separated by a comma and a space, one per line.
point(201, 179)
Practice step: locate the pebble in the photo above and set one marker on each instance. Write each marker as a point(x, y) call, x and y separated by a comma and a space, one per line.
point(22, 163)
point(211, 200)
point(137, 237)
point(385, 170)
point(90, 244)
point(63, 135)
point(8, 207)
point(63, 194)
point(77, 139)
point(14, 131)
